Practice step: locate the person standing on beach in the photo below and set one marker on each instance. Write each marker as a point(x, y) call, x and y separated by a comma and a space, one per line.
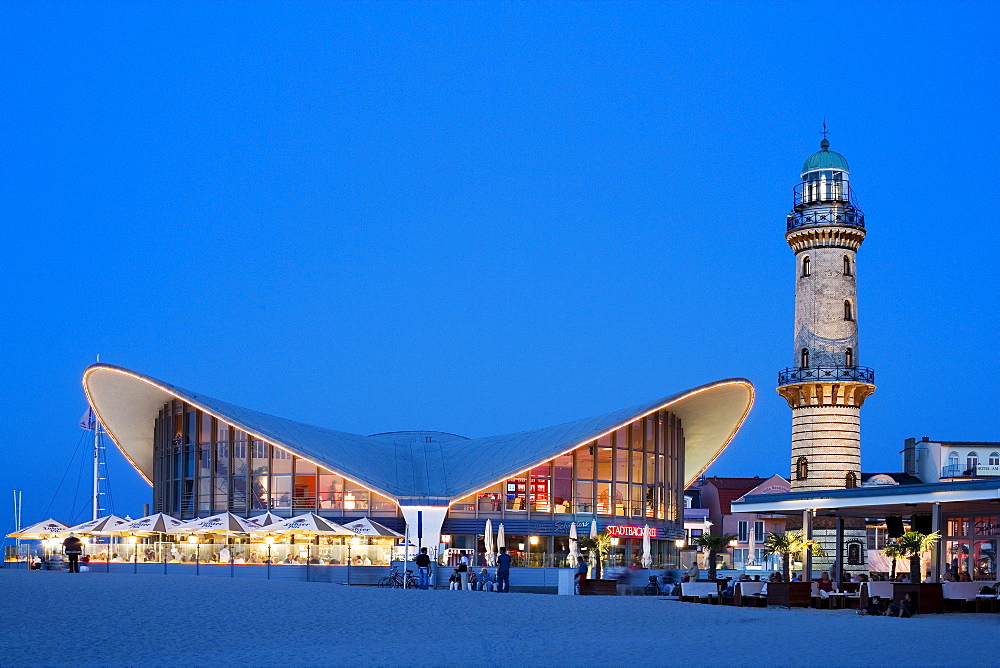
point(424, 568)
point(503, 571)
point(581, 573)
point(73, 547)
point(463, 572)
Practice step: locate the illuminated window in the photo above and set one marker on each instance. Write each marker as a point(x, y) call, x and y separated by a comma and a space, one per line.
point(801, 468)
point(805, 266)
point(848, 310)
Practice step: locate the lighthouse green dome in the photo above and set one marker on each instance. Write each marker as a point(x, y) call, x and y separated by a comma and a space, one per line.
point(824, 158)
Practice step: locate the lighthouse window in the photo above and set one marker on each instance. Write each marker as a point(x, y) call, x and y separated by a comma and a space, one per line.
point(801, 468)
point(847, 265)
point(848, 310)
point(805, 265)
point(849, 358)
point(805, 358)
point(852, 480)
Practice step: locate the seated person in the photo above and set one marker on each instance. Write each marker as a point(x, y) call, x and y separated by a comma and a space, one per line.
point(776, 577)
point(239, 560)
point(905, 608)
point(824, 584)
point(484, 582)
point(875, 607)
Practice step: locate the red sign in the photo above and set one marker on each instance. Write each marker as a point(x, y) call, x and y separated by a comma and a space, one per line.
point(629, 532)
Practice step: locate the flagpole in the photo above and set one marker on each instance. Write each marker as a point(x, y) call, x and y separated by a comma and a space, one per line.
point(97, 445)
point(97, 437)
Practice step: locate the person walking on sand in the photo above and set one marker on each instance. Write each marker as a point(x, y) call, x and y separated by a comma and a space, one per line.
point(503, 571)
point(424, 567)
point(73, 547)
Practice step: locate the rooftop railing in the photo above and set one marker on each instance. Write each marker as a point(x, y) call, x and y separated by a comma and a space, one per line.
point(858, 374)
point(832, 216)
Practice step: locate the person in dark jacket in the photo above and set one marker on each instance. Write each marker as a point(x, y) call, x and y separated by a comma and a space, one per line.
point(73, 547)
point(424, 568)
point(503, 571)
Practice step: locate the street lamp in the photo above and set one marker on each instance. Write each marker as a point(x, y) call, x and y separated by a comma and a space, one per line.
point(732, 544)
point(197, 552)
point(269, 540)
point(614, 552)
point(354, 541)
point(532, 540)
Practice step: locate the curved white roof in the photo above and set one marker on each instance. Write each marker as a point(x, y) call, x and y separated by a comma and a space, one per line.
point(409, 470)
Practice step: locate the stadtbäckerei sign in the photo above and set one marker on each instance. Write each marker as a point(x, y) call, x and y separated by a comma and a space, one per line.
point(629, 532)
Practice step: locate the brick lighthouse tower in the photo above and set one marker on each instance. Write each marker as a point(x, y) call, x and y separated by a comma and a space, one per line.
point(826, 387)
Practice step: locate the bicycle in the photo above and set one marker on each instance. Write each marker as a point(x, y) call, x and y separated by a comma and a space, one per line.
point(395, 580)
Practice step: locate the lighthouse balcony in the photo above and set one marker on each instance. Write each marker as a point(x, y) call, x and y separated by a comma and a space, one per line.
point(849, 216)
point(857, 374)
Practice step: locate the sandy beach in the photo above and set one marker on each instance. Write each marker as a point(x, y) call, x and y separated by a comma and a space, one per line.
point(56, 618)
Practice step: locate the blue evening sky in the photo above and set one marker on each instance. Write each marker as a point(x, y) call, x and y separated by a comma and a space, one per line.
point(482, 217)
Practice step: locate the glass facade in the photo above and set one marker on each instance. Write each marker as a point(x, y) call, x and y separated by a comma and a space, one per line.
point(634, 472)
point(970, 546)
point(203, 466)
point(631, 476)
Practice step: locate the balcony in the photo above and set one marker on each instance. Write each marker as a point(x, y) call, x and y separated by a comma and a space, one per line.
point(827, 374)
point(830, 216)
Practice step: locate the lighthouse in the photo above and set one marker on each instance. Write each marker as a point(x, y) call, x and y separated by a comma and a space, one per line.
point(826, 386)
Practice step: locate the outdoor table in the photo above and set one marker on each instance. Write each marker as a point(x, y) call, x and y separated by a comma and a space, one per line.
point(837, 601)
point(986, 603)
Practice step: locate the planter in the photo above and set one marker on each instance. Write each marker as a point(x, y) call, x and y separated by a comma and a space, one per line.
point(590, 587)
point(789, 594)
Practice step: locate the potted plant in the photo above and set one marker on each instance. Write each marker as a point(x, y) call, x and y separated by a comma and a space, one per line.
point(892, 551)
point(789, 543)
point(714, 543)
point(598, 547)
point(911, 545)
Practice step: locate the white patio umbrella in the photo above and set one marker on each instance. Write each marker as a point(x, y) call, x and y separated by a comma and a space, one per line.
point(647, 556)
point(157, 523)
point(266, 518)
point(368, 527)
point(44, 529)
point(751, 548)
point(491, 557)
point(95, 526)
point(593, 553)
point(309, 524)
point(223, 523)
point(574, 546)
point(500, 537)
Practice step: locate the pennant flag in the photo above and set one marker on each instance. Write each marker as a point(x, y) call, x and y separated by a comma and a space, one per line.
point(88, 421)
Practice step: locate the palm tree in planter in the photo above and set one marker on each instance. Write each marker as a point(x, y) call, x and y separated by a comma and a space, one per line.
point(892, 551)
point(599, 546)
point(911, 545)
point(789, 543)
point(714, 543)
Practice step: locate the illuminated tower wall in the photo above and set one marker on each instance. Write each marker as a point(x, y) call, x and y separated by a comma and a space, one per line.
point(825, 387)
